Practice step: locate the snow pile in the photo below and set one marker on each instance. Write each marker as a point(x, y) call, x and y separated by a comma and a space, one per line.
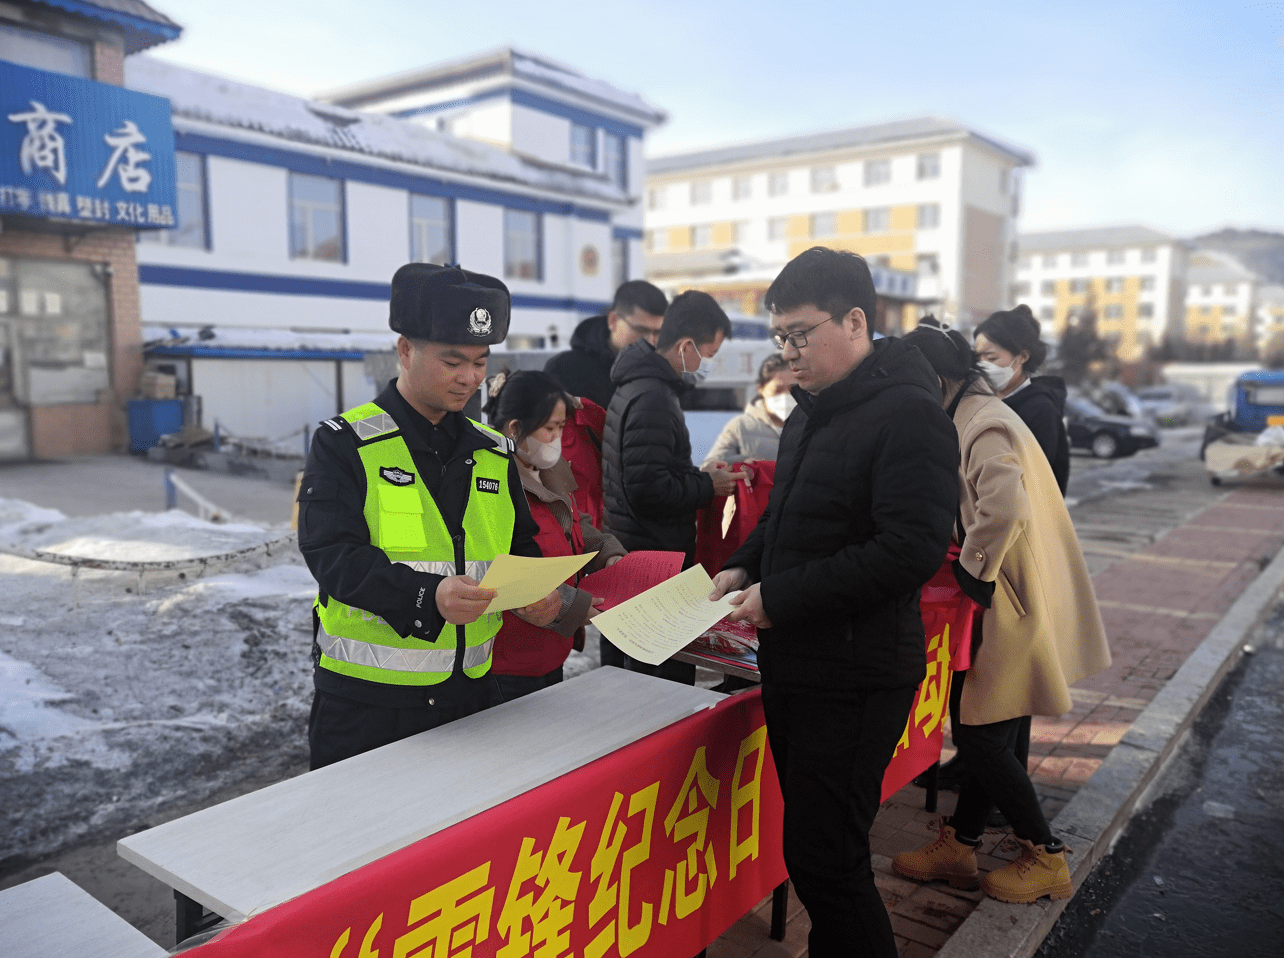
point(25, 694)
point(172, 536)
point(235, 337)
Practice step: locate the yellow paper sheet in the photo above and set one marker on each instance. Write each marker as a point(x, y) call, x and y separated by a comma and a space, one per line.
point(521, 580)
point(652, 626)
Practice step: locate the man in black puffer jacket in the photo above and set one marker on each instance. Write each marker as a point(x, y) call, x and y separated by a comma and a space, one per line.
point(651, 489)
point(865, 496)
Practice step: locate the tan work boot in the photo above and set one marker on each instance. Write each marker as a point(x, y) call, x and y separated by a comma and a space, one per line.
point(946, 858)
point(1036, 873)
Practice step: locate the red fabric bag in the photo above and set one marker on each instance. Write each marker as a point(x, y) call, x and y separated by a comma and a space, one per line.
point(713, 549)
point(582, 448)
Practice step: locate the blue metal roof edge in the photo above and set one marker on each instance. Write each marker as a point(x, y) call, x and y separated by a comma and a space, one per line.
point(140, 34)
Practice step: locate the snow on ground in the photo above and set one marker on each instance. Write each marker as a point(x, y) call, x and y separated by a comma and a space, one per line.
point(115, 705)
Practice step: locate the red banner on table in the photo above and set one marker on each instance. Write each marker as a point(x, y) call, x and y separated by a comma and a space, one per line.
point(947, 626)
point(653, 850)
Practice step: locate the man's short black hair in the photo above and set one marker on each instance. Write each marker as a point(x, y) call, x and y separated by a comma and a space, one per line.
point(694, 314)
point(639, 294)
point(834, 281)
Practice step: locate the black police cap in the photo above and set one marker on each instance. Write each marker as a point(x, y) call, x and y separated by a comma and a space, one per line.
point(446, 304)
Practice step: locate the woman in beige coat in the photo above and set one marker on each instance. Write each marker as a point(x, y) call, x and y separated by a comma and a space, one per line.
point(1041, 631)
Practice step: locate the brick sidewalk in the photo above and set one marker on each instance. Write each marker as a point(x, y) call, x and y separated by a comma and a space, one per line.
point(1158, 604)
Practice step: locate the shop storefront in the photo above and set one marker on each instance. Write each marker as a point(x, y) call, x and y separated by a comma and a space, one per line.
point(84, 166)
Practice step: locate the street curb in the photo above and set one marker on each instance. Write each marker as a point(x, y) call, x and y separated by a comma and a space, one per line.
point(1092, 820)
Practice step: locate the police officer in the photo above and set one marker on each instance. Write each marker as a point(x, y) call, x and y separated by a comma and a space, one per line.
point(404, 503)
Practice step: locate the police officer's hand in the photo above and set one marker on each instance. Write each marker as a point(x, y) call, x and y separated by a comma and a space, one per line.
point(543, 612)
point(461, 600)
point(728, 580)
point(747, 607)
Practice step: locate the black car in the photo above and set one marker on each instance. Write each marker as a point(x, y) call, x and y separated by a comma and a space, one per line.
point(1104, 435)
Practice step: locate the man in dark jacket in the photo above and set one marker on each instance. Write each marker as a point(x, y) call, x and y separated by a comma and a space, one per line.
point(585, 368)
point(651, 489)
point(866, 491)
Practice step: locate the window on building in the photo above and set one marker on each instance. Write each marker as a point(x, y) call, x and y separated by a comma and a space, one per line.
point(615, 159)
point(523, 245)
point(1229, 289)
point(1078, 259)
point(44, 51)
point(877, 219)
point(655, 198)
point(1148, 255)
point(1230, 309)
point(927, 264)
point(1205, 311)
point(701, 192)
point(929, 216)
point(824, 179)
point(1046, 313)
point(742, 188)
point(1114, 256)
point(584, 145)
point(1078, 286)
point(1206, 290)
point(929, 166)
point(432, 232)
point(1115, 284)
point(1145, 310)
point(824, 224)
point(1026, 262)
point(702, 236)
point(193, 229)
point(877, 171)
point(1048, 287)
point(1050, 261)
point(777, 183)
point(316, 218)
point(1020, 290)
point(1113, 311)
point(777, 228)
point(1147, 284)
point(619, 260)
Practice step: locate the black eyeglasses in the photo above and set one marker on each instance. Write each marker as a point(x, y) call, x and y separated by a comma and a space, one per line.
point(796, 339)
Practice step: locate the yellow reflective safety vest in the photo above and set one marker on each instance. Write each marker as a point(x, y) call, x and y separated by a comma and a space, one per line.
point(406, 524)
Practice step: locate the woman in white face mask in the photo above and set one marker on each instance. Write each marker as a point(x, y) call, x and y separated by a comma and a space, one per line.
point(531, 409)
point(755, 434)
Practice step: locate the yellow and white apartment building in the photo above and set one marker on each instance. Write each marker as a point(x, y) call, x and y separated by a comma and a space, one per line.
point(1132, 275)
point(1220, 300)
point(931, 204)
point(1270, 312)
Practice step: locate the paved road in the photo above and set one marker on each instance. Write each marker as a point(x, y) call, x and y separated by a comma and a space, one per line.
point(1201, 872)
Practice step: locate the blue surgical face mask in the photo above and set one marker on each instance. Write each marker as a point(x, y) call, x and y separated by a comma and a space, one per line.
point(701, 372)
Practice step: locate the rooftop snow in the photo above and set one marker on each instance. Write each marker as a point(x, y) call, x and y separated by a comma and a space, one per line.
point(277, 340)
point(206, 98)
point(1099, 238)
point(872, 135)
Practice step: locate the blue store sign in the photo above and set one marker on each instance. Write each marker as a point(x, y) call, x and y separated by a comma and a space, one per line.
point(77, 150)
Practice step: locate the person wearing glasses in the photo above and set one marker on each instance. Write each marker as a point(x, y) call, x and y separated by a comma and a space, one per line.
point(584, 370)
point(859, 518)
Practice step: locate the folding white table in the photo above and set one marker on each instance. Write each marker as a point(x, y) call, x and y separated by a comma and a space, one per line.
point(248, 854)
point(54, 916)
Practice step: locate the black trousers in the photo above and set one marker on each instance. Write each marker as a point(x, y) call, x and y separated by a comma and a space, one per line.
point(683, 672)
point(993, 775)
point(340, 727)
point(831, 750)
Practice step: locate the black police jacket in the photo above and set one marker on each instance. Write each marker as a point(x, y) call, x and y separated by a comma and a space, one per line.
point(335, 540)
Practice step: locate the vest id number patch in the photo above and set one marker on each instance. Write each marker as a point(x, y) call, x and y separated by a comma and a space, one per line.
point(398, 477)
point(487, 485)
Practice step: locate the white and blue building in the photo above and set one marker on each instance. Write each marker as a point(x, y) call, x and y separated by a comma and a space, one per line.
point(293, 215)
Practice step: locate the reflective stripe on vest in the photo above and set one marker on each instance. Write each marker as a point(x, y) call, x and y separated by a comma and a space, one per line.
point(405, 523)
